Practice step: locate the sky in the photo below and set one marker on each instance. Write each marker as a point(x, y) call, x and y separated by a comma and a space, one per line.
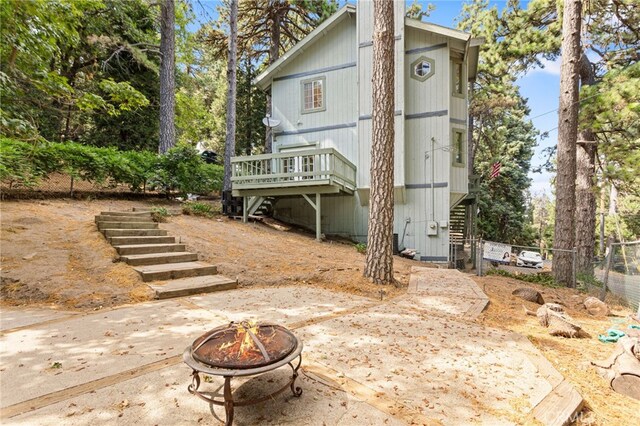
point(541, 86)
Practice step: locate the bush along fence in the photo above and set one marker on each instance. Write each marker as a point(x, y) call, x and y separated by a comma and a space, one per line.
point(61, 167)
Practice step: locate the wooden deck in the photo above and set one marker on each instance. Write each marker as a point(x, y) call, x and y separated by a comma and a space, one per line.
point(312, 171)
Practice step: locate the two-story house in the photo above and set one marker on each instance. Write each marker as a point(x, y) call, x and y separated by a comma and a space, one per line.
point(319, 171)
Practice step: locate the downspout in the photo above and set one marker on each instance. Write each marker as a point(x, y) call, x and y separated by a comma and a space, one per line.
point(433, 189)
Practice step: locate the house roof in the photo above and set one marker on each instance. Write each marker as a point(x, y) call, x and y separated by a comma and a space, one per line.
point(264, 79)
point(437, 29)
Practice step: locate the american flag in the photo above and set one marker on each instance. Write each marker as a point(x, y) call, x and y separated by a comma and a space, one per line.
point(495, 170)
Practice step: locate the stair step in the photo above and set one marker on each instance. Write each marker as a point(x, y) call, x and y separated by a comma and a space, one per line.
point(193, 285)
point(124, 250)
point(132, 241)
point(127, 214)
point(104, 218)
point(159, 258)
point(171, 271)
point(134, 232)
point(127, 225)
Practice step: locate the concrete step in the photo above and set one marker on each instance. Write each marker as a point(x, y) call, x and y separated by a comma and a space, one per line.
point(127, 214)
point(193, 285)
point(104, 218)
point(124, 250)
point(159, 258)
point(172, 271)
point(127, 225)
point(134, 232)
point(130, 241)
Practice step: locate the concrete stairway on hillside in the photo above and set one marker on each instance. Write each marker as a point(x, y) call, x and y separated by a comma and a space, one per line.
point(156, 256)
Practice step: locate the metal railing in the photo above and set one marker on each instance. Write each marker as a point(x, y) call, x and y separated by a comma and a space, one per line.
point(324, 166)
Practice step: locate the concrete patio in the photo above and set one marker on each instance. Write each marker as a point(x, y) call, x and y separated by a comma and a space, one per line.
point(417, 359)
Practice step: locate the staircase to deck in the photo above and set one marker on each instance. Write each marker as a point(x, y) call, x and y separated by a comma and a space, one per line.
point(157, 257)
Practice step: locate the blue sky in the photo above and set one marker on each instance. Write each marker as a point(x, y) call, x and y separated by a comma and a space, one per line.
point(540, 86)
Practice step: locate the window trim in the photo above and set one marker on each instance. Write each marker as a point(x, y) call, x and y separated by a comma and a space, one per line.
point(423, 77)
point(460, 94)
point(454, 148)
point(323, 107)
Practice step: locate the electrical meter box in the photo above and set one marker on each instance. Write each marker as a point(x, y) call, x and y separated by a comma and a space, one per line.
point(432, 228)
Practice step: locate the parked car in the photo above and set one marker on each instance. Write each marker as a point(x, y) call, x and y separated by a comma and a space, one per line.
point(529, 258)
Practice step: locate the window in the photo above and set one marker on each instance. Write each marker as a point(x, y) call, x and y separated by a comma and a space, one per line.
point(458, 148)
point(422, 68)
point(457, 79)
point(313, 95)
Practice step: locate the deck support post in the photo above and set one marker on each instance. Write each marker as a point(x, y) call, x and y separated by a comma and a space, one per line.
point(245, 208)
point(317, 207)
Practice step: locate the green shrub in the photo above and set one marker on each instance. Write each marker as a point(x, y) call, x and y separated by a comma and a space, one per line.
point(361, 248)
point(182, 169)
point(198, 209)
point(159, 214)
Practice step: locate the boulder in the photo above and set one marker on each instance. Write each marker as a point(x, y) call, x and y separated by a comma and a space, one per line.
point(530, 294)
point(596, 307)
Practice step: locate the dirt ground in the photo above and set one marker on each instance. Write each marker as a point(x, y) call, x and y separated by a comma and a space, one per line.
point(570, 356)
point(52, 254)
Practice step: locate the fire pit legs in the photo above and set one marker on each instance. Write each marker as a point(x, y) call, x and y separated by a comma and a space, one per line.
point(297, 390)
point(228, 401)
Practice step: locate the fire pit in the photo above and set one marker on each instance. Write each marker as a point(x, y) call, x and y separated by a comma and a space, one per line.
point(242, 349)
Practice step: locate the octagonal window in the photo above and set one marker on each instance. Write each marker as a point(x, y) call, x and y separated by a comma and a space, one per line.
point(422, 68)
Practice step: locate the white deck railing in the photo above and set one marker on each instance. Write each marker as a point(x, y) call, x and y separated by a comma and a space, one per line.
point(310, 167)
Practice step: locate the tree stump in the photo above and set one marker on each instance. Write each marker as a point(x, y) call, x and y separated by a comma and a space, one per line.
point(622, 368)
point(552, 316)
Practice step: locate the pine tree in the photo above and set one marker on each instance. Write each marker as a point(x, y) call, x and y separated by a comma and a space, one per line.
point(564, 231)
point(167, 76)
point(379, 258)
point(230, 143)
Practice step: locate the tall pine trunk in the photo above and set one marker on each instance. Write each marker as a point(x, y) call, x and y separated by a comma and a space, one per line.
point(585, 186)
point(379, 259)
point(230, 143)
point(167, 76)
point(274, 55)
point(564, 231)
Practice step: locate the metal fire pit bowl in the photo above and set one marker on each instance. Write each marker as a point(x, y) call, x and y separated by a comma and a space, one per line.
point(203, 357)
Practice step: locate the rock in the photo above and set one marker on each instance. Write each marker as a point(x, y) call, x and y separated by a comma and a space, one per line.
point(596, 307)
point(530, 294)
point(29, 256)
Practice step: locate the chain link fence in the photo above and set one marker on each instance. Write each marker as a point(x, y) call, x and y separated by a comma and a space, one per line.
point(511, 259)
point(619, 273)
point(63, 185)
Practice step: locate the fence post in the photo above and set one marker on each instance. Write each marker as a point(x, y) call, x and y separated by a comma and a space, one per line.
point(603, 292)
point(573, 272)
point(481, 250)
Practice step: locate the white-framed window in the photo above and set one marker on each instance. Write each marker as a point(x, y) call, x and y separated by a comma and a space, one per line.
point(457, 147)
point(313, 95)
point(457, 79)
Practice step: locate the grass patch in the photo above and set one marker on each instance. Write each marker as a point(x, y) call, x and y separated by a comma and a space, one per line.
point(194, 208)
point(543, 278)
